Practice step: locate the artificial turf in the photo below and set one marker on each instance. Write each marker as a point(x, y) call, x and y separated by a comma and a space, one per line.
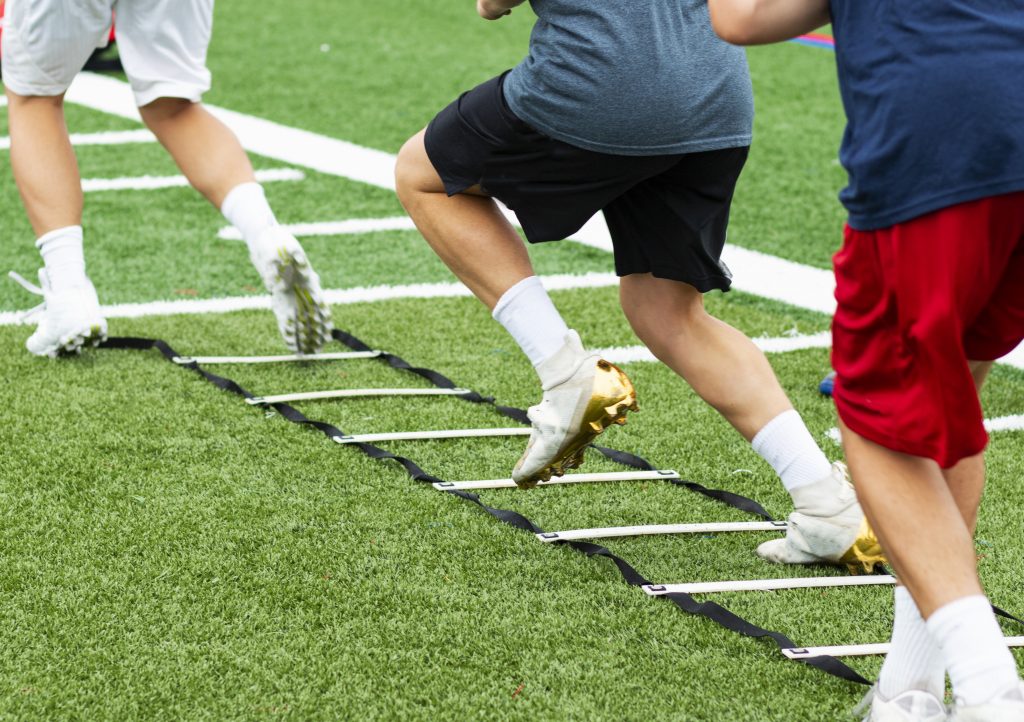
point(168, 552)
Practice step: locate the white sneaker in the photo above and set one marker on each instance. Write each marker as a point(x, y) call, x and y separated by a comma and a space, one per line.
point(914, 705)
point(1007, 707)
point(828, 527)
point(70, 318)
point(586, 395)
point(295, 294)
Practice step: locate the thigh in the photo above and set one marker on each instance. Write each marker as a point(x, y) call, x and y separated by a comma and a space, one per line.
point(46, 42)
point(672, 225)
point(163, 46)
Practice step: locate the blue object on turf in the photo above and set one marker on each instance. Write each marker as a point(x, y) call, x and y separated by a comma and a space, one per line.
point(827, 384)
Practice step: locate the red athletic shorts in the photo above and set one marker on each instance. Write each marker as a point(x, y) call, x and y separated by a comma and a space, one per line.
point(916, 302)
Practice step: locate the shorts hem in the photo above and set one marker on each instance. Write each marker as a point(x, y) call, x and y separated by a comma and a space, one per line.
point(185, 91)
point(899, 444)
point(704, 284)
point(35, 90)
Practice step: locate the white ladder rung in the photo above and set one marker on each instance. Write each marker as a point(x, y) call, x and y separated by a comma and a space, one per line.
point(420, 435)
point(567, 479)
point(769, 585)
point(329, 356)
point(655, 529)
point(861, 650)
point(352, 393)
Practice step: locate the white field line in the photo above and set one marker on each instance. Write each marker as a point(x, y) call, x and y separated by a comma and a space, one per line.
point(755, 273)
point(150, 182)
point(781, 344)
point(3, 101)
point(334, 228)
point(110, 137)
point(362, 294)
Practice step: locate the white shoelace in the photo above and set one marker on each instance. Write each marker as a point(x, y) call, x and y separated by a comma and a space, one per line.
point(31, 288)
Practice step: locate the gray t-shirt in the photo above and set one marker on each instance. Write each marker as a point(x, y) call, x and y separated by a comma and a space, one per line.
point(632, 77)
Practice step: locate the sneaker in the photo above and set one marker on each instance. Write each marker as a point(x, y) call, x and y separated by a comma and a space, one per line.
point(828, 527)
point(295, 294)
point(69, 318)
point(586, 395)
point(914, 705)
point(1007, 707)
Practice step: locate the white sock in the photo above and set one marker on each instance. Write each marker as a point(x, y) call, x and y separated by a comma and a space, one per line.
point(973, 649)
point(788, 446)
point(915, 659)
point(61, 250)
point(246, 208)
point(526, 312)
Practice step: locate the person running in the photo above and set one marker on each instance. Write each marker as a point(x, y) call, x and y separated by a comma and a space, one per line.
point(636, 109)
point(930, 291)
point(163, 46)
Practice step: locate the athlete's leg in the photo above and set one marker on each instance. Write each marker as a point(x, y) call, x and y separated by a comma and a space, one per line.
point(731, 374)
point(46, 172)
point(43, 161)
point(722, 365)
point(205, 149)
point(472, 237)
point(467, 231)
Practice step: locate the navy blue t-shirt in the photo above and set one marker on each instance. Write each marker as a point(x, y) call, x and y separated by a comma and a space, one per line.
point(934, 97)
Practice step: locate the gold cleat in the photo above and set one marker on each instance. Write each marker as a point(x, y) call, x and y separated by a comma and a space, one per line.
point(865, 553)
point(595, 395)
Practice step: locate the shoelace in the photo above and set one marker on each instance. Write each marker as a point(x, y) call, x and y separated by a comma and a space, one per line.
point(31, 288)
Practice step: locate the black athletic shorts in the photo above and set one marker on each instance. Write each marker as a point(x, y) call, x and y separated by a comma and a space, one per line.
point(667, 214)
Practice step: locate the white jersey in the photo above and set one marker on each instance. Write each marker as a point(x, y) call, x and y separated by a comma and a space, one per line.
point(162, 44)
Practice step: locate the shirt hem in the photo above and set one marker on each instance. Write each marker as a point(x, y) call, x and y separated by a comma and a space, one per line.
point(875, 222)
point(689, 146)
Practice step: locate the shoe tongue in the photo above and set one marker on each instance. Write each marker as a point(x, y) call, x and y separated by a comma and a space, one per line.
point(923, 705)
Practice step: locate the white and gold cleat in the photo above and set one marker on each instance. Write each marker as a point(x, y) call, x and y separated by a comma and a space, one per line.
point(587, 396)
point(828, 527)
point(303, 317)
point(1007, 707)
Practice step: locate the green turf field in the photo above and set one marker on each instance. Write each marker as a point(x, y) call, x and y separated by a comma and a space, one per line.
point(167, 551)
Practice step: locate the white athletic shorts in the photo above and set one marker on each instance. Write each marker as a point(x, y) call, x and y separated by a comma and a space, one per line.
point(162, 44)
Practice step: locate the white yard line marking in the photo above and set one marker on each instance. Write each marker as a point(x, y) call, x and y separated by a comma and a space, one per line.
point(3, 101)
point(342, 296)
point(110, 137)
point(150, 182)
point(334, 228)
point(781, 344)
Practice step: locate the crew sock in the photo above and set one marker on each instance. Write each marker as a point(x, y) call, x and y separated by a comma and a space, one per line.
point(787, 445)
point(915, 659)
point(246, 208)
point(973, 649)
point(527, 313)
point(62, 254)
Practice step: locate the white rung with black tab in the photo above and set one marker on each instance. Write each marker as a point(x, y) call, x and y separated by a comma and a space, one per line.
point(861, 650)
point(658, 529)
point(330, 356)
point(769, 585)
point(424, 435)
point(351, 394)
point(556, 480)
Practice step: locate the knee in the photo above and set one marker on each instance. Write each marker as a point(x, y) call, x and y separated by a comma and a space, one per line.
point(655, 307)
point(162, 110)
point(412, 170)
